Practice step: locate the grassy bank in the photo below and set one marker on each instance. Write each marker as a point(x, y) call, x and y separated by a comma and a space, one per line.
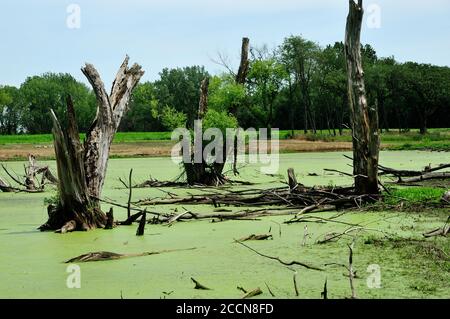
point(393, 137)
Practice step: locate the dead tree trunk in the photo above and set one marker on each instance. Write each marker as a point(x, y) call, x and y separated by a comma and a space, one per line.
point(200, 172)
point(366, 140)
point(82, 168)
point(211, 173)
point(241, 78)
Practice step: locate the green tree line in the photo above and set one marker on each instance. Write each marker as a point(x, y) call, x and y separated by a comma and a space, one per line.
point(297, 85)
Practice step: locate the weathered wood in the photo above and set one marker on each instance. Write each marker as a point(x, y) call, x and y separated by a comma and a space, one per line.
point(199, 285)
point(241, 76)
point(241, 79)
point(107, 255)
point(5, 187)
point(211, 174)
point(130, 186)
point(203, 102)
point(365, 135)
point(426, 176)
point(292, 180)
point(255, 292)
point(203, 173)
point(110, 109)
point(110, 219)
point(141, 227)
point(82, 167)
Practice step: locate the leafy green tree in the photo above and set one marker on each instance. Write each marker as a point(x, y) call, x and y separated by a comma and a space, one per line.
point(266, 77)
point(224, 93)
point(426, 88)
point(40, 93)
point(300, 59)
point(144, 113)
point(172, 119)
point(10, 110)
point(179, 89)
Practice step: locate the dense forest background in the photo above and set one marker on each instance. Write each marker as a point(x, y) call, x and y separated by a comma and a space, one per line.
point(297, 85)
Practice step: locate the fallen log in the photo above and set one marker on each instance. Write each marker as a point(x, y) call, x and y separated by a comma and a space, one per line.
point(410, 173)
point(424, 177)
point(256, 237)
point(107, 255)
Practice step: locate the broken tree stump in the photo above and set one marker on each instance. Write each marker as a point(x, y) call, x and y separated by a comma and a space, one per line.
point(292, 180)
point(82, 167)
point(141, 227)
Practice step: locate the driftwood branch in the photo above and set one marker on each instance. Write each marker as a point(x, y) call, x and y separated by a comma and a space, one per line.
point(106, 255)
point(289, 263)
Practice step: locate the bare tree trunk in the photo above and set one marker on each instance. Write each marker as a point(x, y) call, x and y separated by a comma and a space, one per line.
point(241, 76)
point(82, 168)
point(364, 119)
point(211, 174)
point(202, 172)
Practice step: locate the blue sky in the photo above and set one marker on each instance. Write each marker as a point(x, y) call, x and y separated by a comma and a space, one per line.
point(171, 33)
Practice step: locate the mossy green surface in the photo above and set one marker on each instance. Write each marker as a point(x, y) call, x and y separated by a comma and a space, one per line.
point(32, 263)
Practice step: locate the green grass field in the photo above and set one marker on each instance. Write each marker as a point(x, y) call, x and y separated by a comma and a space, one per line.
point(435, 139)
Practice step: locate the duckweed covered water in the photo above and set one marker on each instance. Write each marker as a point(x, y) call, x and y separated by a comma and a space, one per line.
point(32, 263)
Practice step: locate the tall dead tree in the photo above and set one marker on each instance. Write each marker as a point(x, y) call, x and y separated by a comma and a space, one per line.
point(241, 78)
point(211, 173)
point(82, 167)
point(366, 140)
point(201, 172)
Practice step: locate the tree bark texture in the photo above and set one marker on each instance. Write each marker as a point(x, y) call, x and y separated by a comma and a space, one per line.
point(364, 120)
point(82, 167)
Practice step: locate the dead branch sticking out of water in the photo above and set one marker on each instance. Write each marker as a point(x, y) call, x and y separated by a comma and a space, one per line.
point(442, 231)
point(334, 236)
point(351, 272)
point(416, 176)
point(35, 178)
point(252, 293)
point(286, 263)
point(294, 279)
point(199, 285)
point(270, 291)
point(141, 227)
point(256, 237)
point(106, 255)
point(306, 199)
point(324, 293)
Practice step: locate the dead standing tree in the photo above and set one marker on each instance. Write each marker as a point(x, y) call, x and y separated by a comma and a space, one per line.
point(82, 167)
point(197, 170)
point(366, 141)
point(240, 78)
